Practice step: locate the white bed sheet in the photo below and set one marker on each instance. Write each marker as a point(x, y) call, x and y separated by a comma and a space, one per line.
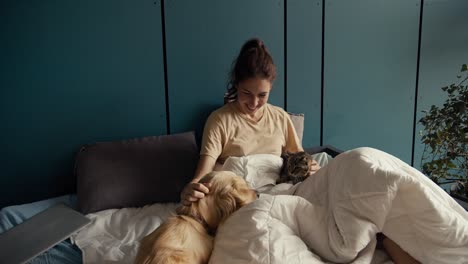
point(114, 235)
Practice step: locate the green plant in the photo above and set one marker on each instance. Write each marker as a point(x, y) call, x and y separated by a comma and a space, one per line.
point(445, 136)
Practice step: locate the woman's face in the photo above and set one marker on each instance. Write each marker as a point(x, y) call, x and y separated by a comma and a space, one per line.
point(252, 94)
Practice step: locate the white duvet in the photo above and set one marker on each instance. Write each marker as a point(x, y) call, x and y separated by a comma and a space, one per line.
point(338, 211)
point(333, 217)
point(114, 235)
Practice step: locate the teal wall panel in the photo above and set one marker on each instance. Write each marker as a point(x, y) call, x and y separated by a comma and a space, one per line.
point(304, 65)
point(444, 48)
point(203, 38)
point(370, 74)
point(73, 73)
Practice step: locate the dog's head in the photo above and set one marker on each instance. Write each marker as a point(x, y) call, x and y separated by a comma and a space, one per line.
point(228, 193)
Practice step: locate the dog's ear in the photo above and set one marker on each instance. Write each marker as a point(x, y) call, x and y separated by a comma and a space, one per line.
point(226, 205)
point(233, 197)
point(243, 193)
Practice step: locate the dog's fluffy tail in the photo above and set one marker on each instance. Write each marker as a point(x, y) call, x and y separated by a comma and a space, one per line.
point(167, 256)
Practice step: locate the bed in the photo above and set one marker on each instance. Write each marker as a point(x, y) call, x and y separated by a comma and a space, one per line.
point(118, 190)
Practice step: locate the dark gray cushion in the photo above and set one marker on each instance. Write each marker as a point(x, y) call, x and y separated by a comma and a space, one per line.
point(134, 173)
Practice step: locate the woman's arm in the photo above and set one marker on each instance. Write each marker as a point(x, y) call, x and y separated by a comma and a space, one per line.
point(194, 190)
point(397, 254)
point(205, 165)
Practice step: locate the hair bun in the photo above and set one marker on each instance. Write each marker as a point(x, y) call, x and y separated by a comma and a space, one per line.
point(261, 44)
point(253, 45)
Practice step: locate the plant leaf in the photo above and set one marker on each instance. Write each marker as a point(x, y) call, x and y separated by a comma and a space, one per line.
point(451, 165)
point(445, 135)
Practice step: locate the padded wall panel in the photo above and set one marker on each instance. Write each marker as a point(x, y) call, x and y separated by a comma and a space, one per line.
point(370, 74)
point(304, 63)
point(444, 48)
point(73, 73)
point(203, 39)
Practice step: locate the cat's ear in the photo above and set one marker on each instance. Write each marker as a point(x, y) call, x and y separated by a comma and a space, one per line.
point(285, 155)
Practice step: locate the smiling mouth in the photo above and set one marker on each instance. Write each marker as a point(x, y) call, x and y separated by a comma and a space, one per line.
point(251, 109)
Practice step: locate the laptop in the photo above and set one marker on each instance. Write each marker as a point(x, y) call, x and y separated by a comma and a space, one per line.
point(37, 234)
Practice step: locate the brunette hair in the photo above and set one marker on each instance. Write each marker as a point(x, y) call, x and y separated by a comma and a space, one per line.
point(253, 61)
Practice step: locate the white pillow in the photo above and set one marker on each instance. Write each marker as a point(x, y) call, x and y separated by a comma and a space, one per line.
point(258, 170)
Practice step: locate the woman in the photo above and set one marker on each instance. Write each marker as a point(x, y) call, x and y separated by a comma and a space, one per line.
point(246, 124)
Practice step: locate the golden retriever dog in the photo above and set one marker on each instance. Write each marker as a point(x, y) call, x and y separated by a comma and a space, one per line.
point(187, 237)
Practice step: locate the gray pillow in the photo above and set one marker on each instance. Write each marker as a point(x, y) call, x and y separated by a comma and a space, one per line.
point(298, 123)
point(135, 172)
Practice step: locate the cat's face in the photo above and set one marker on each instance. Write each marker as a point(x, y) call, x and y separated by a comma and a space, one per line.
point(300, 164)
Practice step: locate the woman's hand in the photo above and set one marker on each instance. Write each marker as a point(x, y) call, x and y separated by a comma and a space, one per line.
point(314, 167)
point(193, 192)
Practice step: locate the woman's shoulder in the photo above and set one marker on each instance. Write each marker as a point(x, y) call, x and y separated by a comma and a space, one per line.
point(223, 110)
point(276, 110)
point(221, 113)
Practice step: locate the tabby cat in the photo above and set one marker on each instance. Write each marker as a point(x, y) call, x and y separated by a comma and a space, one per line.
point(297, 167)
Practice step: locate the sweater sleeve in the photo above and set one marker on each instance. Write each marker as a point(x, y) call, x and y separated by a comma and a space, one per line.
point(212, 137)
